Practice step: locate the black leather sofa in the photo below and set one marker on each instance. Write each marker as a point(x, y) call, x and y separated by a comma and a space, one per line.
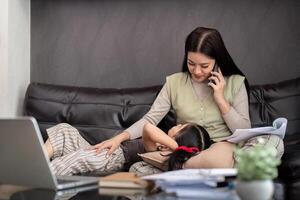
point(101, 113)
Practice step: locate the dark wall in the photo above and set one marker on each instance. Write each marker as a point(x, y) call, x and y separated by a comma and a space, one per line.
point(135, 43)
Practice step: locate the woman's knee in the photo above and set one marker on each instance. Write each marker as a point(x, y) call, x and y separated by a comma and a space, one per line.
point(265, 140)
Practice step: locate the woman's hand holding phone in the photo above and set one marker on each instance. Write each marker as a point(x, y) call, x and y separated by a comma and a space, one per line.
point(217, 82)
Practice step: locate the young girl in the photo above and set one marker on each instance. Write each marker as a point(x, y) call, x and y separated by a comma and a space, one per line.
point(183, 141)
point(71, 154)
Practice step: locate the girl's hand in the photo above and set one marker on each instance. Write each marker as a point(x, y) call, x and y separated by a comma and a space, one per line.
point(217, 82)
point(163, 148)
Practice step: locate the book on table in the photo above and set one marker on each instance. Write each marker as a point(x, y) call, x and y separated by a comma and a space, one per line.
point(128, 192)
point(123, 180)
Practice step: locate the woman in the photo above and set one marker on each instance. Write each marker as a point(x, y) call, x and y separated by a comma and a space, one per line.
point(216, 100)
point(210, 91)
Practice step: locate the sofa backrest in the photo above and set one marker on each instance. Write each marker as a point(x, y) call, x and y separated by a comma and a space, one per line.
point(268, 102)
point(101, 113)
point(98, 114)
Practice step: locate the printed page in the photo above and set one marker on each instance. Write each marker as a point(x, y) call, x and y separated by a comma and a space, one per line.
point(278, 128)
point(193, 174)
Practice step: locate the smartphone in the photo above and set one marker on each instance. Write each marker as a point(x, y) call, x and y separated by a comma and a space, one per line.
point(215, 69)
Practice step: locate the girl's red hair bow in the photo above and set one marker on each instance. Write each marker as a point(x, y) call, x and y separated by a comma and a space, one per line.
point(188, 149)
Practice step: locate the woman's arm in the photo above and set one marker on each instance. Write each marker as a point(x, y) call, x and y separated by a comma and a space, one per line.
point(111, 144)
point(238, 115)
point(235, 115)
point(159, 109)
point(153, 135)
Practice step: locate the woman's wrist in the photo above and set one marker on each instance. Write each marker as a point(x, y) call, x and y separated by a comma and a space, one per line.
point(123, 136)
point(223, 105)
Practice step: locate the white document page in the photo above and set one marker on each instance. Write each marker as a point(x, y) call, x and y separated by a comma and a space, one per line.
point(182, 175)
point(278, 128)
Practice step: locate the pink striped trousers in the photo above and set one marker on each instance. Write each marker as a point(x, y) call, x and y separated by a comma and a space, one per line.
point(71, 154)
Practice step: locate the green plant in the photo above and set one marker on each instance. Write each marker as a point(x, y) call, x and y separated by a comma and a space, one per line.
point(259, 163)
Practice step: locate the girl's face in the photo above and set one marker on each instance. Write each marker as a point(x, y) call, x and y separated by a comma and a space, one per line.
point(199, 66)
point(175, 129)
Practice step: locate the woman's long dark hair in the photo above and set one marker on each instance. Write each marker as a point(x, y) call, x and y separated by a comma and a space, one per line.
point(209, 42)
point(192, 135)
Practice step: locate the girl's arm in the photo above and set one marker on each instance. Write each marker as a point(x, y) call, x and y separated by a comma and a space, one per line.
point(153, 135)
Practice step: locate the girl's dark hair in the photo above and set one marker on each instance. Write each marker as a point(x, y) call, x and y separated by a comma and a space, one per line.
point(209, 42)
point(192, 135)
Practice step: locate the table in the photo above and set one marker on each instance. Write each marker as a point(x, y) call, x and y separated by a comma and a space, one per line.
point(10, 192)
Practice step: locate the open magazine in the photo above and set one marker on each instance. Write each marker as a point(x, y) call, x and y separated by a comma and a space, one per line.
point(278, 128)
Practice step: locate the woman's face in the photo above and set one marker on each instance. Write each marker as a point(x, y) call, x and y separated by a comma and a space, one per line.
point(199, 66)
point(175, 129)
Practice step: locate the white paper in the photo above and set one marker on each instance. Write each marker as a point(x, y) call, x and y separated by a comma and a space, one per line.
point(203, 193)
point(278, 128)
point(192, 183)
point(193, 175)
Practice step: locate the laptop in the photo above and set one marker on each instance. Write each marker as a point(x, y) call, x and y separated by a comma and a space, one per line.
point(24, 161)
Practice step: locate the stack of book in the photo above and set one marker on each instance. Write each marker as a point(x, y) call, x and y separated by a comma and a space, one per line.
point(196, 183)
point(123, 183)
